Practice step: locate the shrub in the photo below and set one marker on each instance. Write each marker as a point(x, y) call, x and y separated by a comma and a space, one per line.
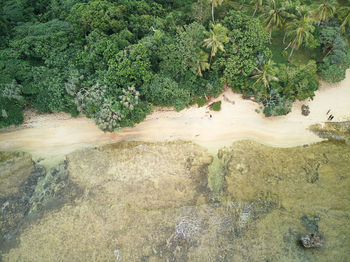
point(11, 103)
point(336, 55)
point(200, 101)
point(163, 91)
point(216, 106)
point(275, 104)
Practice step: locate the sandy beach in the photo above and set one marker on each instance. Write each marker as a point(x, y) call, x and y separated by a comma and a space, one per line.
point(53, 136)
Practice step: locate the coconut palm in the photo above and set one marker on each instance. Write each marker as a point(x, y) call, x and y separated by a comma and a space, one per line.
point(292, 9)
point(325, 10)
point(202, 63)
point(300, 31)
point(217, 37)
point(214, 3)
point(258, 4)
point(275, 15)
point(344, 16)
point(265, 74)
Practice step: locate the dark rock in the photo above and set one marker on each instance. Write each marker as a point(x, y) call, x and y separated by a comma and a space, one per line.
point(311, 240)
point(305, 110)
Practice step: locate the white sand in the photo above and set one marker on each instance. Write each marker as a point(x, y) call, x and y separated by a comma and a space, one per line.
point(58, 134)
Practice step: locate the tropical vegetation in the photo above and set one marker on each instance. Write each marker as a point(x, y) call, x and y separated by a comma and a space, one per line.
point(112, 60)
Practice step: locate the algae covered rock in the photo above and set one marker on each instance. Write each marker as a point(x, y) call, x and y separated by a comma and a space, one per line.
point(162, 174)
point(153, 202)
point(311, 240)
point(15, 168)
point(26, 191)
point(336, 131)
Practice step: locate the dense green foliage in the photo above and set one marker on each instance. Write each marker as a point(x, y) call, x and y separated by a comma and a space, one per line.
point(11, 103)
point(113, 59)
point(248, 41)
point(336, 55)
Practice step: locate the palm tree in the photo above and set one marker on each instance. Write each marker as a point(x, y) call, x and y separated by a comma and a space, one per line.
point(202, 63)
point(344, 16)
point(258, 3)
point(300, 31)
point(275, 15)
point(216, 40)
point(266, 74)
point(325, 10)
point(293, 9)
point(214, 3)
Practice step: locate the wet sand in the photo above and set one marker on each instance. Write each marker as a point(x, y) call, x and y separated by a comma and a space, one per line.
point(53, 136)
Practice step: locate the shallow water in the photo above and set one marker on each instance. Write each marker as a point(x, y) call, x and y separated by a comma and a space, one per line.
point(136, 201)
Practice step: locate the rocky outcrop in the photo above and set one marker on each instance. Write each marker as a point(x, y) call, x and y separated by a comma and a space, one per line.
point(336, 131)
point(311, 240)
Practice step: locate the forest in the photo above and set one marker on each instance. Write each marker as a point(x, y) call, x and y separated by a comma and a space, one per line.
point(113, 60)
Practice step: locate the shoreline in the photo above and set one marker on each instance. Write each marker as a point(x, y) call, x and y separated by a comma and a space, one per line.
point(55, 135)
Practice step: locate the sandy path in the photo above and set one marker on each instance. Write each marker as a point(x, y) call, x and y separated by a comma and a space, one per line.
point(59, 134)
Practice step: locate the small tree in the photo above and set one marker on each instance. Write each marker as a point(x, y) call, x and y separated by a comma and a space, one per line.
point(217, 37)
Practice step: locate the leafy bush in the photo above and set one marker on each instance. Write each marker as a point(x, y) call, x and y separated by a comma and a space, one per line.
point(103, 15)
point(11, 103)
point(336, 55)
point(47, 91)
point(41, 40)
point(275, 104)
point(130, 67)
point(216, 106)
point(110, 108)
point(10, 112)
point(239, 60)
point(332, 71)
point(298, 82)
point(200, 101)
point(163, 91)
point(179, 55)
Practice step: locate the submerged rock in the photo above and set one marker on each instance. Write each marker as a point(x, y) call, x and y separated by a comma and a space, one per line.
point(312, 240)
